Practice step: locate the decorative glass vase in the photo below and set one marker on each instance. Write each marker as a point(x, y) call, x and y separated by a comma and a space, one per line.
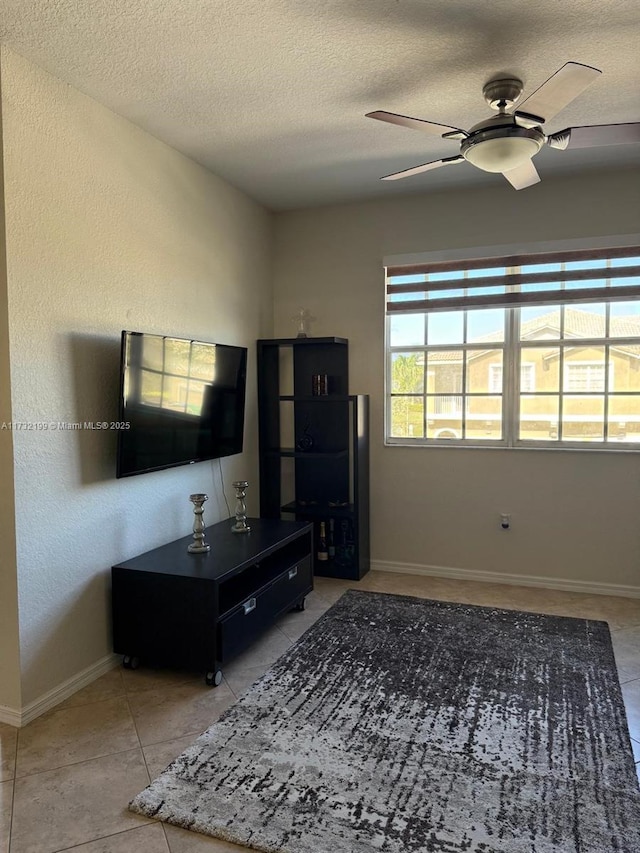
point(198, 546)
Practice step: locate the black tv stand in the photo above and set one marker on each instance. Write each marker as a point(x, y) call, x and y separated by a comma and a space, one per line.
point(197, 611)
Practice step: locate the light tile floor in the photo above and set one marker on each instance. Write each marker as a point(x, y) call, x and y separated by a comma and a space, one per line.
point(66, 778)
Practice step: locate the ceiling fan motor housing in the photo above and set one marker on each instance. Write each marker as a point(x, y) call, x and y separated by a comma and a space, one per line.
point(503, 93)
point(499, 144)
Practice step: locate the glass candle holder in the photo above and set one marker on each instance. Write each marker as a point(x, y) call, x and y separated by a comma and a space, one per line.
point(241, 525)
point(198, 546)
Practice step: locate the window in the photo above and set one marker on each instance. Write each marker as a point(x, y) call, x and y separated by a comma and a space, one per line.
point(527, 377)
point(516, 350)
point(586, 376)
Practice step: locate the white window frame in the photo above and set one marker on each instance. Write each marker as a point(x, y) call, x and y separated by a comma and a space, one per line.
point(511, 346)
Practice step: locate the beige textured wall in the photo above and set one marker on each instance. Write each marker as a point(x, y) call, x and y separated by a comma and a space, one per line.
point(574, 514)
point(107, 229)
point(9, 648)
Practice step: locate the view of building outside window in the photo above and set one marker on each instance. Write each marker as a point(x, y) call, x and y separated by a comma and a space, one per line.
point(550, 374)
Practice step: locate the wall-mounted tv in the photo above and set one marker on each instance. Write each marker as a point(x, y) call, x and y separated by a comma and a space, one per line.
point(181, 402)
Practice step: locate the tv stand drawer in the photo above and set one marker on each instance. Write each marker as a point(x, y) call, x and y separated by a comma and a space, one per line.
point(291, 586)
point(242, 625)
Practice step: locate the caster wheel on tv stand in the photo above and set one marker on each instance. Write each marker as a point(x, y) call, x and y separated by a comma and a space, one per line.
point(214, 679)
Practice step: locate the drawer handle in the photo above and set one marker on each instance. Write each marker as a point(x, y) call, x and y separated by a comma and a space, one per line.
point(249, 606)
point(293, 572)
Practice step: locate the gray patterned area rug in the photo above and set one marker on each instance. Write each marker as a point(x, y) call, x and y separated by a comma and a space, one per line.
point(400, 725)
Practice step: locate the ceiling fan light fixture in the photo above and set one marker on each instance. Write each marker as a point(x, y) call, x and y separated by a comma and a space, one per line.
point(508, 141)
point(498, 151)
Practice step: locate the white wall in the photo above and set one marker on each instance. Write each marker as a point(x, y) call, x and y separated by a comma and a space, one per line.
point(107, 229)
point(9, 648)
point(574, 514)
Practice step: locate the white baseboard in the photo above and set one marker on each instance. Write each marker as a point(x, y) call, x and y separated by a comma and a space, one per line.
point(20, 717)
point(565, 584)
point(10, 716)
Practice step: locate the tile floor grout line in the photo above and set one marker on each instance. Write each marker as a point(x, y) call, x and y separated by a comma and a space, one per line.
point(63, 706)
point(168, 740)
point(13, 803)
point(63, 709)
point(13, 790)
point(166, 837)
point(133, 719)
point(77, 763)
point(629, 680)
point(102, 838)
point(162, 686)
point(195, 734)
point(235, 695)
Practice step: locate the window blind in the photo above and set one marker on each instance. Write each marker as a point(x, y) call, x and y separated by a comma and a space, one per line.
point(551, 278)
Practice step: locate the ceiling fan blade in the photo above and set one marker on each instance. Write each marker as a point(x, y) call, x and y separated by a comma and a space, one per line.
point(595, 134)
point(415, 123)
point(523, 176)
point(425, 167)
point(558, 91)
point(455, 134)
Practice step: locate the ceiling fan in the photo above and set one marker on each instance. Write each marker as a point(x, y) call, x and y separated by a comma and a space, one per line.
point(507, 141)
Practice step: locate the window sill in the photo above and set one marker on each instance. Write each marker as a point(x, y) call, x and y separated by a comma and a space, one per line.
point(580, 447)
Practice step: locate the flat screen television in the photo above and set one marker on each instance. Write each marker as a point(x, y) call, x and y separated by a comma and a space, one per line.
point(181, 402)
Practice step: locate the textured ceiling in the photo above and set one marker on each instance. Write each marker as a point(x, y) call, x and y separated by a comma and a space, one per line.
point(271, 94)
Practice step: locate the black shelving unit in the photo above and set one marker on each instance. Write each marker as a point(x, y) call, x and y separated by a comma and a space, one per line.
point(314, 450)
